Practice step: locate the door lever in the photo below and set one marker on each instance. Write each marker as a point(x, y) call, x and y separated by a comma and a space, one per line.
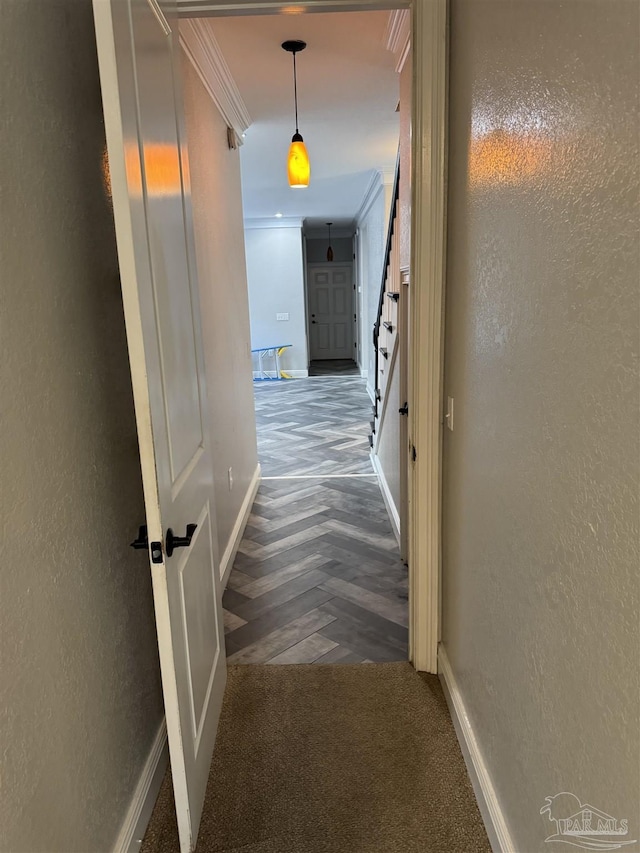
point(172, 541)
point(142, 544)
point(142, 541)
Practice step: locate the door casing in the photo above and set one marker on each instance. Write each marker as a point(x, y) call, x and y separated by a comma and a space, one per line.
point(429, 34)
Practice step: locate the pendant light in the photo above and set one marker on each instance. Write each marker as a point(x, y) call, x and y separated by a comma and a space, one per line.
point(329, 250)
point(298, 168)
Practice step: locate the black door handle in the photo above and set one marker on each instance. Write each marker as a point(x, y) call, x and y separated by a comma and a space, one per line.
point(404, 410)
point(172, 541)
point(142, 541)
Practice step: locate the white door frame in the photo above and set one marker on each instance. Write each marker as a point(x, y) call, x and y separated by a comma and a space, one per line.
point(426, 300)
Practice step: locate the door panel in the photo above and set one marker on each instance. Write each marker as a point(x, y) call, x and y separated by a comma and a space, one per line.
point(200, 620)
point(330, 295)
point(137, 52)
point(322, 302)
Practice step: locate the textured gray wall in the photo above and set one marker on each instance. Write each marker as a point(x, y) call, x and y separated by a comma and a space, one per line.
point(541, 476)
point(81, 699)
point(222, 277)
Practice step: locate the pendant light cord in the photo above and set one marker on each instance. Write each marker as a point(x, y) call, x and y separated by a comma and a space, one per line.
point(295, 89)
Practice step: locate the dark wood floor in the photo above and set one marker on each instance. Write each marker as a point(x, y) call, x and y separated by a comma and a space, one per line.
point(318, 576)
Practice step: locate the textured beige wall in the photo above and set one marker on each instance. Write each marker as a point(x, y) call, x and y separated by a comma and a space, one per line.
point(222, 276)
point(541, 477)
point(81, 699)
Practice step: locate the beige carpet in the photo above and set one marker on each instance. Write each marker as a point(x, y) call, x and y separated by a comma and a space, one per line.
point(354, 758)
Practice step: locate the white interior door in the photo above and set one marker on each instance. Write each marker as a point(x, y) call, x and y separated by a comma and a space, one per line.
point(137, 50)
point(330, 290)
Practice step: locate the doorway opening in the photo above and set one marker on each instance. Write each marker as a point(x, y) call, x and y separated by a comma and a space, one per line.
point(318, 574)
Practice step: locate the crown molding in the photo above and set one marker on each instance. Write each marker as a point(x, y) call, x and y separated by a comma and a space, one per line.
point(203, 51)
point(273, 222)
point(398, 35)
point(374, 188)
point(388, 175)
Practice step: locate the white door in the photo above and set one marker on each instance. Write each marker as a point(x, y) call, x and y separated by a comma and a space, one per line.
point(330, 290)
point(137, 51)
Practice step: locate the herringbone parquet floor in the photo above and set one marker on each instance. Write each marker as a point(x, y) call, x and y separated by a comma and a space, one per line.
point(318, 576)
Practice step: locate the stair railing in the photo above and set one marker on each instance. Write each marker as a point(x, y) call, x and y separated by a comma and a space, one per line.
point(393, 215)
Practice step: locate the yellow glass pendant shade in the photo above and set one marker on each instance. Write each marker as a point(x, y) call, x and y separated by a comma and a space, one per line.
point(298, 166)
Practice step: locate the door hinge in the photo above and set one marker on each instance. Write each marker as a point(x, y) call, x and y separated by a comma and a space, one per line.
point(413, 453)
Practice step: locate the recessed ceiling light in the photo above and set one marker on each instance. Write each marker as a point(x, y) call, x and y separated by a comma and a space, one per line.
point(278, 216)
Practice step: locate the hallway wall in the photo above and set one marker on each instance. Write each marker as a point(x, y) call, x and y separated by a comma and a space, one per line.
point(81, 699)
point(219, 231)
point(275, 273)
point(541, 481)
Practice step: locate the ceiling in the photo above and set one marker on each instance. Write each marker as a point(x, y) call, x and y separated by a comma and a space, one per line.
point(347, 99)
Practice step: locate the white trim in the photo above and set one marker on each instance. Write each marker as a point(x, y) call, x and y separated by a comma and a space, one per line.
point(203, 8)
point(273, 222)
point(318, 476)
point(203, 51)
point(389, 502)
point(388, 175)
point(426, 359)
point(226, 563)
point(330, 264)
point(371, 393)
point(294, 374)
point(398, 36)
point(364, 373)
point(374, 188)
point(138, 815)
point(488, 802)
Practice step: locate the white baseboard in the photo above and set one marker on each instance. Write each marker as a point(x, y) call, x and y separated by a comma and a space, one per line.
point(294, 374)
point(392, 509)
point(364, 373)
point(372, 394)
point(144, 798)
point(490, 809)
point(226, 562)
